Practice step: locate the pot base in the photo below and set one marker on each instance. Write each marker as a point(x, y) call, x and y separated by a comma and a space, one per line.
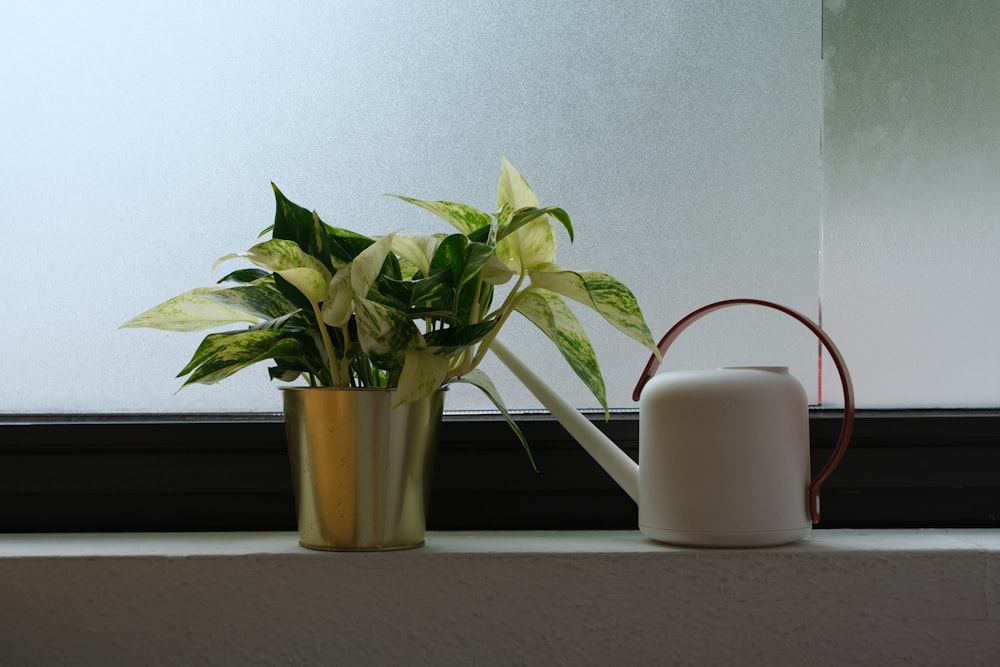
point(327, 547)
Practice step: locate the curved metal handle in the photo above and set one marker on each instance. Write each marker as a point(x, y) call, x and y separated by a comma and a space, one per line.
point(847, 425)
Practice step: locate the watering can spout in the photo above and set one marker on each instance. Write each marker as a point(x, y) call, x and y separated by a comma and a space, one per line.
point(622, 469)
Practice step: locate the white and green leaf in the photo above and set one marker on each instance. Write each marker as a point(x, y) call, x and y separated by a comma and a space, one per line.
point(530, 245)
point(418, 250)
point(221, 355)
point(478, 378)
point(310, 282)
point(279, 255)
point(339, 303)
point(462, 217)
point(423, 373)
point(261, 299)
point(367, 266)
point(601, 292)
point(528, 215)
point(495, 272)
point(513, 190)
point(383, 330)
point(549, 312)
point(193, 310)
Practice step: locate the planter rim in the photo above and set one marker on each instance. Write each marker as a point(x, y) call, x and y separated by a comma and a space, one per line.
point(385, 389)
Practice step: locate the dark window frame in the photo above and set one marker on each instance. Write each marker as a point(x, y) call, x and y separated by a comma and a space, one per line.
point(87, 473)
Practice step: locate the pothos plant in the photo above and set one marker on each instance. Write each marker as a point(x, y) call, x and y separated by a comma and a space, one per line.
point(414, 313)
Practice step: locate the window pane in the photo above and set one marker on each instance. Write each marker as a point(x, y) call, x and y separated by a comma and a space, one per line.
point(682, 137)
point(911, 156)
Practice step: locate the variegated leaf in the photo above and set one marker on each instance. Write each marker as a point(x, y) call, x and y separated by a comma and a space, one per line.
point(417, 249)
point(280, 255)
point(301, 226)
point(605, 294)
point(450, 340)
point(530, 247)
point(495, 272)
point(527, 215)
point(478, 378)
point(513, 190)
point(549, 312)
point(340, 299)
point(423, 373)
point(261, 299)
point(310, 282)
point(366, 266)
point(221, 355)
point(193, 310)
point(533, 244)
point(383, 330)
point(464, 218)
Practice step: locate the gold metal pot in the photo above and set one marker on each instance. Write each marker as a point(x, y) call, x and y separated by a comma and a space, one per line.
point(360, 468)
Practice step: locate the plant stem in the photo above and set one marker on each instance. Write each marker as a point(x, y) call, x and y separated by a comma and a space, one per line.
point(334, 365)
point(344, 375)
point(468, 355)
point(505, 311)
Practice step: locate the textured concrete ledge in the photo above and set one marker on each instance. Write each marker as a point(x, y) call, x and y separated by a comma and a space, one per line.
point(552, 598)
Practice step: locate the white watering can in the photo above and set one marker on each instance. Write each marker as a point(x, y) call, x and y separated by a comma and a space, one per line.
point(723, 454)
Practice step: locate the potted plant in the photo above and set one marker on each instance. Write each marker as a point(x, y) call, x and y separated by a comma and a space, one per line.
point(374, 329)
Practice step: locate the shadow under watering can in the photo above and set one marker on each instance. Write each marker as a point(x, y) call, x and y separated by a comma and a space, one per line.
point(723, 454)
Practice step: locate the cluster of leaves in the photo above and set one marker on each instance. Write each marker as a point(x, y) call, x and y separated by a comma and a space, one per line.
point(414, 313)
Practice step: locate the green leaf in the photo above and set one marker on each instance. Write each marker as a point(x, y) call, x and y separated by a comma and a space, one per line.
point(478, 378)
point(462, 217)
point(193, 310)
point(597, 290)
point(308, 360)
point(549, 312)
point(221, 355)
point(301, 226)
point(244, 276)
point(423, 373)
point(345, 245)
point(415, 296)
point(526, 215)
point(383, 330)
point(453, 339)
point(463, 257)
point(280, 255)
point(263, 300)
point(429, 289)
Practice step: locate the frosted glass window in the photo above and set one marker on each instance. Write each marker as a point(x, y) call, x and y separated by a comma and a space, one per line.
point(138, 141)
point(911, 215)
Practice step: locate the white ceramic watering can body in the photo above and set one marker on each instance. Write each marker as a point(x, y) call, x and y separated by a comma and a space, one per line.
point(724, 458)
point(724, 454)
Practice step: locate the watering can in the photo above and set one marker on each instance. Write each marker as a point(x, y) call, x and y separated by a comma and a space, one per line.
point(723, 454)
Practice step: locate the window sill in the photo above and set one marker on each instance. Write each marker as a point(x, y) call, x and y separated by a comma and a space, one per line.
point(549, 597)
point(821, 545)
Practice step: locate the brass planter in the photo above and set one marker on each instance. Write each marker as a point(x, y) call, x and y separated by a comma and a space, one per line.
point(360, 468)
